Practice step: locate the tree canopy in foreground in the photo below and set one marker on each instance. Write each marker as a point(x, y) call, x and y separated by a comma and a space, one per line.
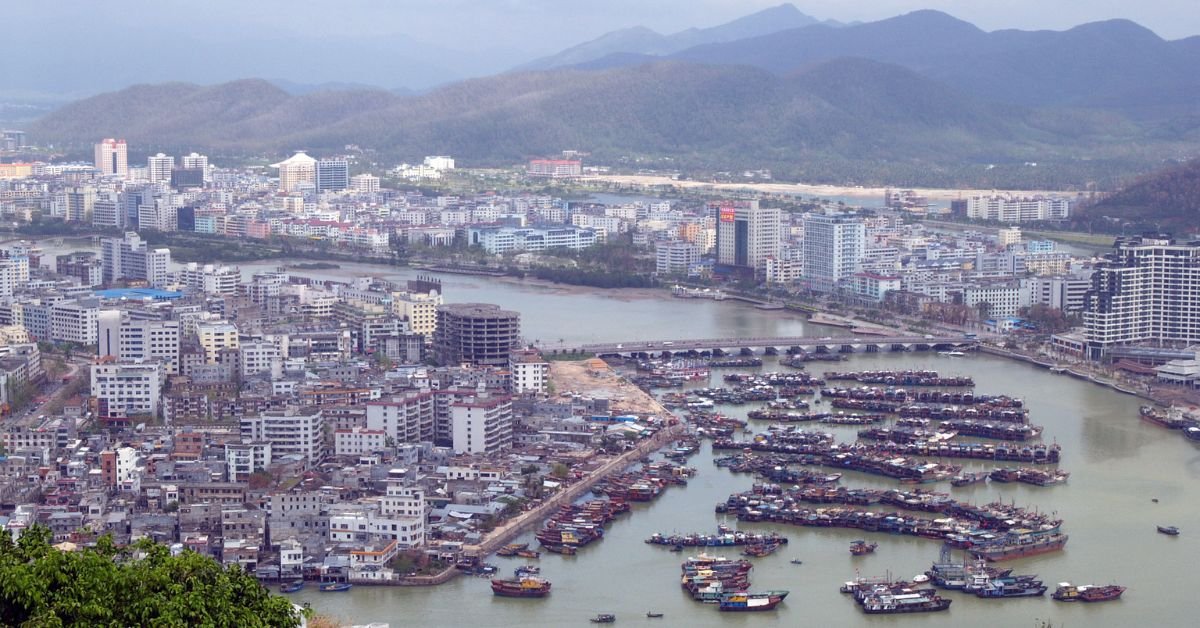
point(141, 585)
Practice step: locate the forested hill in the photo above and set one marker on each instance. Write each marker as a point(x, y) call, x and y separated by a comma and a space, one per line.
point(1167, 200)
point(844, 120)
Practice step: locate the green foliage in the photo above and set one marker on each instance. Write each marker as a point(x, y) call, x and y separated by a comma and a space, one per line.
point(1167, 200)
point(593, 278)
point(560, 470)
point(138, 586)
point(843, 121)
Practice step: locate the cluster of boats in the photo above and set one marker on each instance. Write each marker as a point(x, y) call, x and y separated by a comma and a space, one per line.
point(1000, 429)
point(774, 379)
point(985, 581)
point(723, 581)
point(993, 532)
point(575, 526)
point(901, 378)
point(794, 415)
point(815, 450)
point(880, 596)
point(1036, 477)
point(723, 538)
point(644, 485)
point(801, 360)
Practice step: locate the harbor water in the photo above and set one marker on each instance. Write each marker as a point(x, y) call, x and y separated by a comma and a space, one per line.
point(1118, 465)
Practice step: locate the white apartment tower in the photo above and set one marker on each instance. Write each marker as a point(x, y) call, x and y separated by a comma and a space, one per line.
point(124, 389)
point(746, 233)
point(292, 430)
point(131, 258)
point(129, 340)
point(1148, 290)
point(112, 158)
point(158, 168)
point(482, 424)
point(833, 249)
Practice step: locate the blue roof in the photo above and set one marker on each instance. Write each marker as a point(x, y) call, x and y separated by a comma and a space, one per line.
point(139, 294)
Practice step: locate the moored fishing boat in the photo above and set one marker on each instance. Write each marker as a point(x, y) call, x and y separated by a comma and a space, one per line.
point(521, 587)
point(742, 601)
point(1067, 592)
point(861, 548)
point(291, 587)
point(1019, 545)
point(333, 587)
point(923, 601)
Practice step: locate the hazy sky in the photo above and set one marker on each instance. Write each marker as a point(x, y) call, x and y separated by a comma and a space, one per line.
point(541, 25)
point(80, 47)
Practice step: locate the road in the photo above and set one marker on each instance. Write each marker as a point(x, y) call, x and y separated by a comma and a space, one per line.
point(51, 391)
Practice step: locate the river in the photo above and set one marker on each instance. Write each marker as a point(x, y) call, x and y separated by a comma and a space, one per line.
point(1117, 464)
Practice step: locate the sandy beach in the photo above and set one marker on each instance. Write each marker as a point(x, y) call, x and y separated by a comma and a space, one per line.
point(800, 189)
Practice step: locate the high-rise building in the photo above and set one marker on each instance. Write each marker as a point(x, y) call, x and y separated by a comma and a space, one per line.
point(291, 431)
point(129, 340)
point(675, 257)
point(1147, 290)
point(296, 172)
point(132, 258)
point(107, 211)
point(364, 183)
point(833, 249)
point(215, 336)
point(81, 201)
point(112, 158)
point(482, 424)
point(124, 389)
point(159, 167)
point(75, 320)
point(210, 279)
point(419, 309)
point(333, 175)
point(475, 333)
point(83, 266)
point(746, 234)
point(196, 161)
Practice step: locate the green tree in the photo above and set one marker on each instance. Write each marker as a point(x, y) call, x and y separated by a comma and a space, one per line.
point(140, 585)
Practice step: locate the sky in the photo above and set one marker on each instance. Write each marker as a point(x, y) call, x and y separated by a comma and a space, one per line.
point(541, 25)
point(80, 47)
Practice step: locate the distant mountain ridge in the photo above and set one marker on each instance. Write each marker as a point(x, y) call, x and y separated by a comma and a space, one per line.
point(639, 40)
point(919, 99)
point(818, 123)
point(1114, 63)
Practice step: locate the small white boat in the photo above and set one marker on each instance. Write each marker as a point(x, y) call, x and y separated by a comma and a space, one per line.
point(952, 354)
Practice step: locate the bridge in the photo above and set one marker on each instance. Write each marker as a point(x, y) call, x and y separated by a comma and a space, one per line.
point(826, 344)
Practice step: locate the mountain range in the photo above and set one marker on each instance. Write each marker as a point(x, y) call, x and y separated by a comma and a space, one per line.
point(642, 41)
point(922, 98)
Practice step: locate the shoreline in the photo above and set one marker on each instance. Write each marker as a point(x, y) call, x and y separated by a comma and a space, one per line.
point(524, 522)
point(804, 189)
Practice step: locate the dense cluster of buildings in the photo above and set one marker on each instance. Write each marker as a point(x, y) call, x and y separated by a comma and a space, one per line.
point(285, 425)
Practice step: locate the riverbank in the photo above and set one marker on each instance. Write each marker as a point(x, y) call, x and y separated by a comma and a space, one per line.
point(798, 189)
point(1163, 396)
point(594, 378)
